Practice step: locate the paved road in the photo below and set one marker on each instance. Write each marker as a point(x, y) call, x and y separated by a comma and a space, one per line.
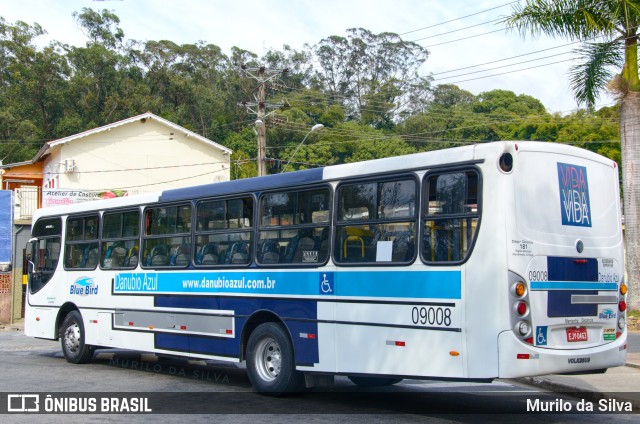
point(224, 393)
point(633, 342)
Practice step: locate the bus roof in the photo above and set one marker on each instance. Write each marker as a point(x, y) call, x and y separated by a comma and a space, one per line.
point(246, 185)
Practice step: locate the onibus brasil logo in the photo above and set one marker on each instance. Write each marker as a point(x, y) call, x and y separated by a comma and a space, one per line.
point(84, 286)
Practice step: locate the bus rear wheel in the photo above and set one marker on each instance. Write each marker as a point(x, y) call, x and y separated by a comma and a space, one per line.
point(270, 361)
point(72, 339)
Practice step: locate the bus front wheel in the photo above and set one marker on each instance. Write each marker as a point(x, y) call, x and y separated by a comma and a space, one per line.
point(72, 338)
point(270, 362)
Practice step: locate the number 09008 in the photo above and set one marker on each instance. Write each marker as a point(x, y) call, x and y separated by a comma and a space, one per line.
point(431, 315)
point(538, 276)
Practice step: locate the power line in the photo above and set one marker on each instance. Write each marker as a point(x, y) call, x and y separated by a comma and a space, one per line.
point(164, 182)
point(510, 72)
point(460, 18)
point(456, 30)
point(410, 137)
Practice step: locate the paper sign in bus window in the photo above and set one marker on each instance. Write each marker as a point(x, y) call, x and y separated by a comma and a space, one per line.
point(574, 195)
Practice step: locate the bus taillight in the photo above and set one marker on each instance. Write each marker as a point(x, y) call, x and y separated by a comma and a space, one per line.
point(520, 309)
point(622, 306)
point(623, 289)
point(523, 328)
point(621, 323)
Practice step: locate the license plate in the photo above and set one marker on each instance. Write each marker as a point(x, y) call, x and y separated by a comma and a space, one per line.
point(577, 334)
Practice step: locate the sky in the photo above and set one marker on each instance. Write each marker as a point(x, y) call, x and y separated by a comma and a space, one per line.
point(258, 26)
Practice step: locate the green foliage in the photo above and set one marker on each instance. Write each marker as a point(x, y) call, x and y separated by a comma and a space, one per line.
point(614, 23)
point(364, 88)
point(243, 145)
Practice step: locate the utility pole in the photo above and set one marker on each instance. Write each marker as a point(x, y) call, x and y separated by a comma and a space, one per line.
point(261, 130)
point(259, 106)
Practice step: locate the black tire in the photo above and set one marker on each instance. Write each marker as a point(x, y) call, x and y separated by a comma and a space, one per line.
point(72, 339)
point(270, 361)
point(374, 381)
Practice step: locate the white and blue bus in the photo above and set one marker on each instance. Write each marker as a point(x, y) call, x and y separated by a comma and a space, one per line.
point(486, 261)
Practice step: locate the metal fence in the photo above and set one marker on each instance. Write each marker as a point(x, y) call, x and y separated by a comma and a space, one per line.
point(26, 202)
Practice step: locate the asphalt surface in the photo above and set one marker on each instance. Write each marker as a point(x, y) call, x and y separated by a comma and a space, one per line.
point(621, 383)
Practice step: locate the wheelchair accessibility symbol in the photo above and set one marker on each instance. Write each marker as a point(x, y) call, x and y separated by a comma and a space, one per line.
point(326, 283)
point(541, 335)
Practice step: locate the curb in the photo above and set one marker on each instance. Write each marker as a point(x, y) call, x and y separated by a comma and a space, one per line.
point(11, 327)
point(577, 392)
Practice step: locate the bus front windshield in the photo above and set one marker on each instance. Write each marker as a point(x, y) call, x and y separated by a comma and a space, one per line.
point(45, 252)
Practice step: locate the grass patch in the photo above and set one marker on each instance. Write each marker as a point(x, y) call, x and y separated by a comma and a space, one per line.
point(634, 313)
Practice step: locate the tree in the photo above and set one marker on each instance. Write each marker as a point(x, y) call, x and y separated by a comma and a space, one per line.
point(446, 96)
point(369, 74)
point(613, 63)
point(31, 89)
point(97, 89)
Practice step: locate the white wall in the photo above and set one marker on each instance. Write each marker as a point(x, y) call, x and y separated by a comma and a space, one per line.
point(142, 157)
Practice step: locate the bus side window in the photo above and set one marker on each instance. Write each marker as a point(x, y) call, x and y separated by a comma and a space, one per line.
point(120, 242)
point(376, 222)
point(294, 227)
point(452, 215)
point(224, 233)
point(81, 244)
point(166, 241)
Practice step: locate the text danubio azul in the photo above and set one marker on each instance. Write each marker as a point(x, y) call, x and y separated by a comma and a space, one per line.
point(157, 282)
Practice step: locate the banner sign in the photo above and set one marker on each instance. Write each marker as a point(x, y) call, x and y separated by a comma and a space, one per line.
point(61, 196)
point(6, 225)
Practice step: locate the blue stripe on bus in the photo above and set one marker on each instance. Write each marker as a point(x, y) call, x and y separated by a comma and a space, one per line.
point(410, 284)
point(198, 344)
point(572, 285)
point(382, 284)
point(300, 317)
point(246, 185)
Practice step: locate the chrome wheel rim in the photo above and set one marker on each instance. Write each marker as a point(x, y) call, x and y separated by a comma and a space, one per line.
point(268, 359)
point(72, 337)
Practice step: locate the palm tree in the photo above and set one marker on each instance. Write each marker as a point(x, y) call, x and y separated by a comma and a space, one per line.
point(608, 30)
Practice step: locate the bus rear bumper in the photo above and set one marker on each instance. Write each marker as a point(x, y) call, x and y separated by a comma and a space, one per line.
point(517, 359)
